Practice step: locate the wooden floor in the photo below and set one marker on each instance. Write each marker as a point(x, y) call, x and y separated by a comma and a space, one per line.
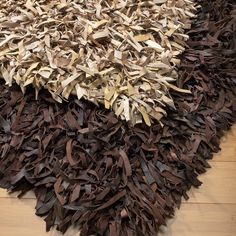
point(210, 211)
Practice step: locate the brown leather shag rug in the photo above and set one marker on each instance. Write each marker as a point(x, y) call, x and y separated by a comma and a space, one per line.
point(91, 170)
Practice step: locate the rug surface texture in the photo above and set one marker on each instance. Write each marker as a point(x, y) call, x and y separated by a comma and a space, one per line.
point(122, 54)
point(89, 168)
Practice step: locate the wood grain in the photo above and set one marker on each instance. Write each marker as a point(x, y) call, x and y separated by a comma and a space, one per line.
point(203, 220)
point(218, 186)
point(210, 211)
point(18, 218)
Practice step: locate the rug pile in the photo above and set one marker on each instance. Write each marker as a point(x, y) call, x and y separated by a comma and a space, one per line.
point(89, 168)
point(119, 53)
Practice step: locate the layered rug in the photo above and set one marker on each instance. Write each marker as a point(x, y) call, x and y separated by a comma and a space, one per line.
point(89, 168)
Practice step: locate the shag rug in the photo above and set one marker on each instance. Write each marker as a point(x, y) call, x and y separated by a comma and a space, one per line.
point(122, 54)
point(90, 169)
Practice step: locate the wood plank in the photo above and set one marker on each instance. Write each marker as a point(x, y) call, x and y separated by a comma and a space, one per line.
point(218, 186)
point(5, 194)
point(192, 220)
point(18, 218)
point(228, 147)
point(203, 220)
